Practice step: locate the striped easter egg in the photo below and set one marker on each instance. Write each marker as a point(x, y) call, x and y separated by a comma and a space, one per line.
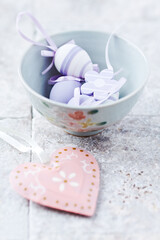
point(72, 60)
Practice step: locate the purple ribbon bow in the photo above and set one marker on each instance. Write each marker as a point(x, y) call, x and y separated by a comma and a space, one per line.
point(51, 45)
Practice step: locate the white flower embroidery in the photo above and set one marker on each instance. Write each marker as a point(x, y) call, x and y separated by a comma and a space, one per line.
point(64, 180)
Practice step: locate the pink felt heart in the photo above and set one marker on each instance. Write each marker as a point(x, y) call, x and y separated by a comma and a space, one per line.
point(70, 182)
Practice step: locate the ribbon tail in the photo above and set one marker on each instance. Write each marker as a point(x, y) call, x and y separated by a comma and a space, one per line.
point(119, 71)
point(47, 53)
point(96, 67)
point(39, 26)
point(13, 142)
point(49, 67)
point(61, 78)
point(71, 42)
point(121, 82)
point(19, 142)
point(109, 66)
point(53, 79)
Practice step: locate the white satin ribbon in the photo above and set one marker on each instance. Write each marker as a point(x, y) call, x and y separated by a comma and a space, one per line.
point(16, 141)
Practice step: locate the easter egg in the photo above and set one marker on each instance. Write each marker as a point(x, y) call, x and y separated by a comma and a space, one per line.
point(63, 91)
point(72, 60)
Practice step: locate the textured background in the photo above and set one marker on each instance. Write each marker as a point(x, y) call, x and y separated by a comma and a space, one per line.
point(128, 152)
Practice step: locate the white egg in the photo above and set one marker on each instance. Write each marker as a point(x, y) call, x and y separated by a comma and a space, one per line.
point(72, 60)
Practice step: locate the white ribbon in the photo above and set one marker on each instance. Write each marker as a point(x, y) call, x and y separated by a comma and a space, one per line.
point(16, 141)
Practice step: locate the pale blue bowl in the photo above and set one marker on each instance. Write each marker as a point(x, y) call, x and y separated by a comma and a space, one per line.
point(86, 121)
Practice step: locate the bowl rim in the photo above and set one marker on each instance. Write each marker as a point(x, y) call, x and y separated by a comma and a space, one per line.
point(58, 104)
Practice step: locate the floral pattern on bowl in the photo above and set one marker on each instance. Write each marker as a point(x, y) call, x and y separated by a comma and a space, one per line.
point(76, 121)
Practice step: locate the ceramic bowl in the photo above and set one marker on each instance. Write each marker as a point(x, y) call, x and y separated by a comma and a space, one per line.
point(86, 121)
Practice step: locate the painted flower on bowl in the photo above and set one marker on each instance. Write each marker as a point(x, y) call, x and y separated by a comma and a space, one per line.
point(78, 115)
point(87, 123)
point(101, 85)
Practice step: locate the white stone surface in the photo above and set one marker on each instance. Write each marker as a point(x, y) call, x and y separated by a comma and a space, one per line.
point(128, 153)
point(13, 100)
point(128, 203)
point(14, 211)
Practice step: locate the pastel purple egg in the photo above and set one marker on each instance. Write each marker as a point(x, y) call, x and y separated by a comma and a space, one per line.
point(63, 91)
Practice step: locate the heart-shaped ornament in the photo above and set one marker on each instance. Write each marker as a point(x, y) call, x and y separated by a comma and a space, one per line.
point(69, 183)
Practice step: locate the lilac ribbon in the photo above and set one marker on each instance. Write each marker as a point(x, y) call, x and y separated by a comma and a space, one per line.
point(96, 67)
point(53, 79)
point(52, 46)
point(60, 78)
point(46, 53)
